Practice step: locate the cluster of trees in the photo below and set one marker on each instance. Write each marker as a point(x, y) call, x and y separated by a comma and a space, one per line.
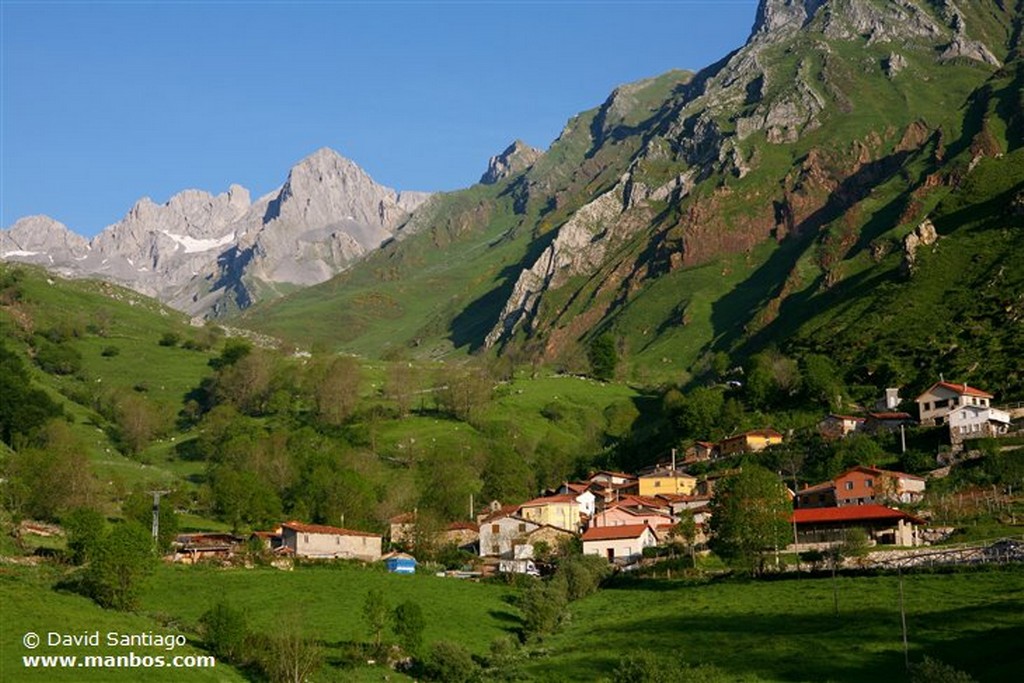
point(286, 656)
point(117, 558)
point(544, 604)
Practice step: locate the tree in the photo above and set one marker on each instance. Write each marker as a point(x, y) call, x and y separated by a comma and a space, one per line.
point(138, 507)
point(289, 656)
point(84, 528)
point(120, 562)
point(821, 381)
point(449, 662)
point(749, 515)
point(335, 389)
point(375, 613)
point(224, 632)
point(543, 606)
point(50, 476)
point(697, 414)
point(23, 409)
point(604, 357)
point(686, 529)
point(408, 623)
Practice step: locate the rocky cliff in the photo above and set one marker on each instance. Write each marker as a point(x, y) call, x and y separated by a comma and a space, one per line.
point(210, 255)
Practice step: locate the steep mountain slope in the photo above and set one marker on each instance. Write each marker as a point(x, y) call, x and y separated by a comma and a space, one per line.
point(208, 255)
point(442, 282)
point(682, 215)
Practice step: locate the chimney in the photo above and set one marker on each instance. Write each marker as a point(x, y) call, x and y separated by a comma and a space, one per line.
point(673, 460)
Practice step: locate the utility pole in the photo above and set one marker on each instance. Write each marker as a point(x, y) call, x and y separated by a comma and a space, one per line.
point(156, 513)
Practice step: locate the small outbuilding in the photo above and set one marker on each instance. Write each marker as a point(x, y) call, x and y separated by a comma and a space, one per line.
point(400, 563)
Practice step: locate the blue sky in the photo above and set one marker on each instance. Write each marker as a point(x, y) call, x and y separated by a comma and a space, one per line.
point(106, 102)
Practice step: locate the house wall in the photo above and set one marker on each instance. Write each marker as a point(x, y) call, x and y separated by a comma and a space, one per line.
point(562, 515)
point(498, 536)
point(622, 517)
point(857, 488)
point(934, 405)
point(681, 484)
point(332, 545)
point(624, 549)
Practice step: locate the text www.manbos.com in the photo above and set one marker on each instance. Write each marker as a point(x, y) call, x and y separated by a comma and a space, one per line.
point(127, 661)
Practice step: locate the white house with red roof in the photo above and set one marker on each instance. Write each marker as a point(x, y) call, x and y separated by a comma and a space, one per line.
point(976, 422)
point(941, 398)
point(319, 541)
point(622, 544)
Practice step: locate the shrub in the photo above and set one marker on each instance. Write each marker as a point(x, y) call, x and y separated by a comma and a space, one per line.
point(933, 671)
point(449, 662)
point(224, 632)
point(110, 351)
point(170, 339)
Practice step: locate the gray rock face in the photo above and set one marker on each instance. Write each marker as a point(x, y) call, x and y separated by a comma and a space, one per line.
point(206, 254)
point(42, 241)
point(517, 157)
point(924, 235)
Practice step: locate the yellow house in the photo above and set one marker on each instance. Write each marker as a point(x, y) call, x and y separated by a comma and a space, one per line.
point(750, 442)
point(561, 511)
point(667, 480)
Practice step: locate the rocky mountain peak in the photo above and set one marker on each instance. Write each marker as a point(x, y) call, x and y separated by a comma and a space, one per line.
point(782, 17)
point(40, 236)
point(515, 158)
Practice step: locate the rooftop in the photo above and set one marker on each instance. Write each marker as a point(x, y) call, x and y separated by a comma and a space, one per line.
point(611, 533)
point(322, 529)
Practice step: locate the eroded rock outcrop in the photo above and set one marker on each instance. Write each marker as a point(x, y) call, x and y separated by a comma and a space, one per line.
point(517, 157)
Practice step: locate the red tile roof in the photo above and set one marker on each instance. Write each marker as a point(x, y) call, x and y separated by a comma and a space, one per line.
point(404, 518)
point(321, 529)
point(851, 513)
point(890, 416)
point(463, 526)
point(961, 389)
point(611, 533)
point(550, 500)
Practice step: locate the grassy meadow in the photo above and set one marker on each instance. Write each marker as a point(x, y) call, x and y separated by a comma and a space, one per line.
point(787, 631)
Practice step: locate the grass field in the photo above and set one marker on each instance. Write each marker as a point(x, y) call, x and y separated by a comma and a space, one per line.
point(787, 631)
point(328, 602)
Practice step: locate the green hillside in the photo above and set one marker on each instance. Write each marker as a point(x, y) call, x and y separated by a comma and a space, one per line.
point(789, 219)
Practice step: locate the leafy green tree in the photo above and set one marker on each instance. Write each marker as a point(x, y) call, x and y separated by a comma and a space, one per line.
point(375, 614)
point(57, 359)
point(23, 408)
point(686, 530)
point(822, 383)
point(582, 574)
point(506, 475)
point(408, 624)
point(234, 350)
point(138, 507)
point(543, 607)
point(446, 480)
point(749, 515)
point(84, 527)
point(50, 476)
point(224, 632)
point(335, 389)
point(604, 357)
point(449, 662)
point(120, 563)
point(699, 413)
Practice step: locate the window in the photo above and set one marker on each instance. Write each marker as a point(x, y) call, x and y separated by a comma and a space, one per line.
point(927, 406)
point(495, 528)
point(849, 486)
point(869, 483)
point(657, 483)
point(522, 527)
point(337, 540)
point(305, 538)
point(495, 549)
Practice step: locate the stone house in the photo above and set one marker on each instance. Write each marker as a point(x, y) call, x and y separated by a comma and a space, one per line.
point(319, 541)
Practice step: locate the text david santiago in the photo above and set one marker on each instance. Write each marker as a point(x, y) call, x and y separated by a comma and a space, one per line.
point(167, 641)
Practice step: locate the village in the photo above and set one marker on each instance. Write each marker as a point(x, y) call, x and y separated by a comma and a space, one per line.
point(626, 518)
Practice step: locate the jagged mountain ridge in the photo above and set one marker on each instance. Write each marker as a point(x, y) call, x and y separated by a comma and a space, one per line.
point(762, 164)
point(209, 255)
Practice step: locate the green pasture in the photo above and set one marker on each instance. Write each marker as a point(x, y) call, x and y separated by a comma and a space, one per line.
point(787, 630)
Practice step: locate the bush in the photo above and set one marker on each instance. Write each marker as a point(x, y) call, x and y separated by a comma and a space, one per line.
point(120, 562)
point(933, 671)
point(110, 351)
point(449, 662)
point(170, 339)
point(85, 528)
point(408, 623)
point(224, 632)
